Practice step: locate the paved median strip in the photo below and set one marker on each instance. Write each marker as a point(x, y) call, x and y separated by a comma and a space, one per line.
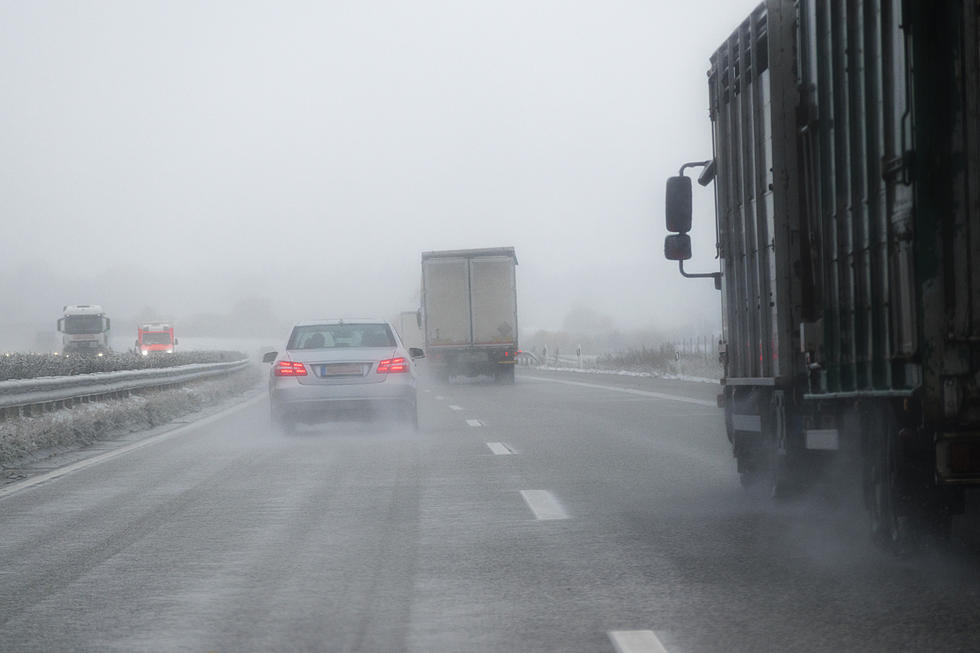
point(631, 391)
point(543, 504)
point(500, 449)
point(474, 422)
point(636, 641)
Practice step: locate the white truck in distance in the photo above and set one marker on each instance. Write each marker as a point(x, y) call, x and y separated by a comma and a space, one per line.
point(84, 329)
point(469, 312)
point(409, 328)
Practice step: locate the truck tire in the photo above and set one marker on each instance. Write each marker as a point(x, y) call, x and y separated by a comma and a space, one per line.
point(905, 510)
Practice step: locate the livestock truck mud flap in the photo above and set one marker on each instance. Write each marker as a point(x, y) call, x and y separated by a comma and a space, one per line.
point(958, 458)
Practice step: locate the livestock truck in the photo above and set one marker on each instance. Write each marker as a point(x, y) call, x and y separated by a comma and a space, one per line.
point(846, 170)
point(469, 312)
point(84, 329)
point(155, 338)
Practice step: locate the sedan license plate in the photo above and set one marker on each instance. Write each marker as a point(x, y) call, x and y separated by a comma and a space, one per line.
point(342, 369)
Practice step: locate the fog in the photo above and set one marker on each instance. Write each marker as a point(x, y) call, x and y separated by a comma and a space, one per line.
point(184, 158)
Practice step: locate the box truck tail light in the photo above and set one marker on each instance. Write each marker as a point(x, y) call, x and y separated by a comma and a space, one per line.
point(392, 366)
point(290, 368)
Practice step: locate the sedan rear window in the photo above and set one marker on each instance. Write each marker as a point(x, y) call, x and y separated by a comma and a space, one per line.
point(333, 336)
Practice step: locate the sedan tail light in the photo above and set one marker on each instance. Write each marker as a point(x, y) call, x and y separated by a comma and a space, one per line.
point(392, 366)
point(290, 368)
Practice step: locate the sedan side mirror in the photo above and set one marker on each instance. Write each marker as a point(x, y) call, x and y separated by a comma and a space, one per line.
point(677, 247)
point(269, 356)
point(415, 352)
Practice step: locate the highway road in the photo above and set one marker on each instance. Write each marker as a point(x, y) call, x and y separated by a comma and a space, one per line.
point(568, 512)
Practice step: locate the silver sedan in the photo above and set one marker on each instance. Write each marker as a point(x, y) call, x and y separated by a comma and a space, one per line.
point(340, 367)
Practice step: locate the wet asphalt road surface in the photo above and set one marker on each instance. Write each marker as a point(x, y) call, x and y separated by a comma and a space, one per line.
point(568, 512)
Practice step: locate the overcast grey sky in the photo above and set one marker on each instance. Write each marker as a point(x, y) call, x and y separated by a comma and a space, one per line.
point(184, 155)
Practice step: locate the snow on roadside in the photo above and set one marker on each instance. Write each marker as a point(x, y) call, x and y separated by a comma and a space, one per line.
point(649, 375)
point(72, 428)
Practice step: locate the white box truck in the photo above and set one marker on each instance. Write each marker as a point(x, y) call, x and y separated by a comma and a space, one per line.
point(469, 312)
point(84, 329)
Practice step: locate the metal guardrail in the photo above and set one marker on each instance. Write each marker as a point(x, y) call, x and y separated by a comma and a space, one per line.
point(20, 397)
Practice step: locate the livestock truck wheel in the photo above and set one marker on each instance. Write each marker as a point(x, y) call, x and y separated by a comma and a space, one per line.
point(905, 510)
point(767, 472)
point(764, 466)
point(887, 521)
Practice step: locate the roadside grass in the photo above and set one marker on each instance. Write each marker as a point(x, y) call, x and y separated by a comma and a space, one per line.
point(32, 438)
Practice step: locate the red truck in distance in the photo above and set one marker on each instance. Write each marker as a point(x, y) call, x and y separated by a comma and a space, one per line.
point(155, 338)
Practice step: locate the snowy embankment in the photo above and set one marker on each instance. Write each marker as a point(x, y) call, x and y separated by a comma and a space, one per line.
point(649, 375)
point(72, 428)
point(34, 366)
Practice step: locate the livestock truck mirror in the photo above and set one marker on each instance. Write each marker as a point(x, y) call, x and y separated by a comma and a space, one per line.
point(679, 204)
point(418, 318)
point(61, 325)
point(269, 356)
point(677, 247)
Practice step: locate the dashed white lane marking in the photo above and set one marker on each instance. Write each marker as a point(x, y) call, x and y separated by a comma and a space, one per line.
point(543, 504)
point(440, 397)
point(452, 407)
point(426, 390)
point(121, 451)
point(632, 391)
point(636, 641)
point(500, 449)
point(474, 422)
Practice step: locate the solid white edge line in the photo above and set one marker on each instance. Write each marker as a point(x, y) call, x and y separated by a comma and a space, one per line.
point(636, 641)
point(440, 397)
point(121, 451)
point(474, 422)
point(631, 391)
point(454, 407)
point(500, 449)
point(543, 504)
